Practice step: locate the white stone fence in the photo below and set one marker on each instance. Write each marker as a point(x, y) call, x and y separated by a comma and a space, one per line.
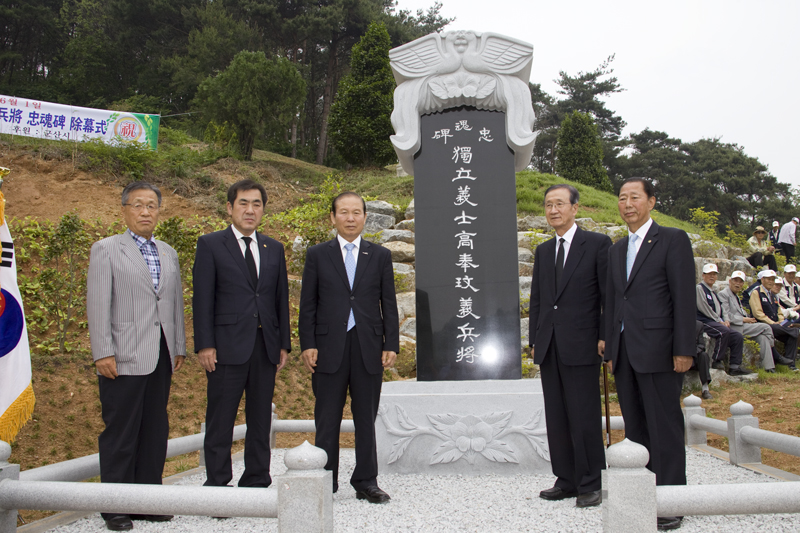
point(745, 439)
point(632, 501)
point(301, 499)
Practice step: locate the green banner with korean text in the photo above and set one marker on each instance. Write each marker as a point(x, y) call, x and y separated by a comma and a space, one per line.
point(46, 120)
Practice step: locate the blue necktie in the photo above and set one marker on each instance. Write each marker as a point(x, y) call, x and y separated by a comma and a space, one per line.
point(631, 253)
point(350, 267)
point(631, 258)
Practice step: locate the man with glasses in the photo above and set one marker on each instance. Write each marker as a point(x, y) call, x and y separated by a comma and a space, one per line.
point(134, 303)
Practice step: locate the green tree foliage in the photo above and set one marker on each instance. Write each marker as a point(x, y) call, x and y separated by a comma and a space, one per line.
point(254, 94)
point(579, 153)
point(715, 175)
point(360, 120)
point(584, 93)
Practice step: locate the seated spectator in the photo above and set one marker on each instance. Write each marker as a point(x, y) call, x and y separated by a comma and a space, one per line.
point(765, 308)
point(746, 325)
point(790, 315)
point(773, 234)
point(701, 363)
point(716, 325)
point(790, 294)
point(761, 251)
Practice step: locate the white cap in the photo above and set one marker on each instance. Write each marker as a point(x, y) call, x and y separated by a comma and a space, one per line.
point(767, 274)
point(779, 280)
point(738, 274)
point(709, 267)
point(790, 268)
point(776, 224)
point(795, 219)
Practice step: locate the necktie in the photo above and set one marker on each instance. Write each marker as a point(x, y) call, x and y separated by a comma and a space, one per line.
point(350, 267)
point(631, 253)
point(559, 261)
point(251, 262)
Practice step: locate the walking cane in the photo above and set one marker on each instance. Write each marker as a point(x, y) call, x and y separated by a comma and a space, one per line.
point(608, 413)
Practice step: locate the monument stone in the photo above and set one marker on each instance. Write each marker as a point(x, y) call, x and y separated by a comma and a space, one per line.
point(464, 124)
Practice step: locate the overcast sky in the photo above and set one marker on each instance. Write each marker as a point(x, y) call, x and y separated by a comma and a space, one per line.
point(691, 68)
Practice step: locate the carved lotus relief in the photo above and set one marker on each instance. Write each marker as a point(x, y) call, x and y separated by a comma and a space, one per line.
point(466, 437)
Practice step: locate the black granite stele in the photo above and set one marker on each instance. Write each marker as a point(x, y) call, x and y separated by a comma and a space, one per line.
point(467, 275)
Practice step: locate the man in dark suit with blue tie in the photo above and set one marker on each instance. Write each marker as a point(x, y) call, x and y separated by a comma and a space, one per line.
point(650, 332)
point(566, 332)
point(241, 333)
point(349, 332)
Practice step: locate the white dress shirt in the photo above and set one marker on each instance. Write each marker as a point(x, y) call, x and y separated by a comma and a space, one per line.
point(641, 233)
point(253, 246)
point(568, 237)
point(343, 241)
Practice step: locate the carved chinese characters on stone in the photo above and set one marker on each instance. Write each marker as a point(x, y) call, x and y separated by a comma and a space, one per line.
point(467, 288)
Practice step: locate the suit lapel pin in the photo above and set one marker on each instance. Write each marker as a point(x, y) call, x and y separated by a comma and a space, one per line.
point(649, 241)
point(365, 253)
point(264, 245)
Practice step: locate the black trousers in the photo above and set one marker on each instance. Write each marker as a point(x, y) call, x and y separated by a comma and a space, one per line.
point(703, 366)
point(133, 446)
point(256, 379)
point(330, 391)
point(651, 409)
point(725, 338)
point(758, 259)
point(788, 251)
point(573, 415)
point(788, 336)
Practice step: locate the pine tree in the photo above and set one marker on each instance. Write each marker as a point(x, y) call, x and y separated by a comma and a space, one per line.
point(579, 152)
point(360, 121)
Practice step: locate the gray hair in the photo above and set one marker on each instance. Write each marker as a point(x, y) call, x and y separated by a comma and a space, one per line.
point(574, 195)
point(137, 186)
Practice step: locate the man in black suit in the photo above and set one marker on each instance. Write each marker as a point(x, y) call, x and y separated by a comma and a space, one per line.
point(241, 333)
point(650, 326)
point(349, 332)
point(567, 298)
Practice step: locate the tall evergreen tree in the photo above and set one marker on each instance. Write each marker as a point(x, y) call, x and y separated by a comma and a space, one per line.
point(579, 153)
point(360, 120)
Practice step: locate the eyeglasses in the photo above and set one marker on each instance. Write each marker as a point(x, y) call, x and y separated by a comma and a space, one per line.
point(138, 208)
point(559, 206)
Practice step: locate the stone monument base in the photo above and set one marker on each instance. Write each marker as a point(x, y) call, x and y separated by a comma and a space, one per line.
point(462, 427)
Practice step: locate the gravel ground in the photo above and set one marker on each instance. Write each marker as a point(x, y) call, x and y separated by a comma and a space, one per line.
point(461, 503)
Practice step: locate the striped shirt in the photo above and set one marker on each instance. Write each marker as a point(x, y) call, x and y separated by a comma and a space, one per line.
point(150, 254)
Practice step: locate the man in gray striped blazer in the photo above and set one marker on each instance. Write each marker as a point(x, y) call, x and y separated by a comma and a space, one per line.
point(135, 310)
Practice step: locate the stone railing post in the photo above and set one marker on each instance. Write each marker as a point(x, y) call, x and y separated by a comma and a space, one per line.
point(740, 452)
point(305, 492)
point(691, 407)
point(272, 432)
point(8, 517)
point(629, 490)
point(202, 461)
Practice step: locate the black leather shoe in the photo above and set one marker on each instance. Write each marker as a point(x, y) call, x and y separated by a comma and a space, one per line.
point(668, 522)
point(770, 370)
point(373, 495)
point(121, 522)
point(738, 371)
point(153, 517)
point(557, 493)
point(706, 395)
point(718, 365)
point(784, 361)
point(589, 499)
